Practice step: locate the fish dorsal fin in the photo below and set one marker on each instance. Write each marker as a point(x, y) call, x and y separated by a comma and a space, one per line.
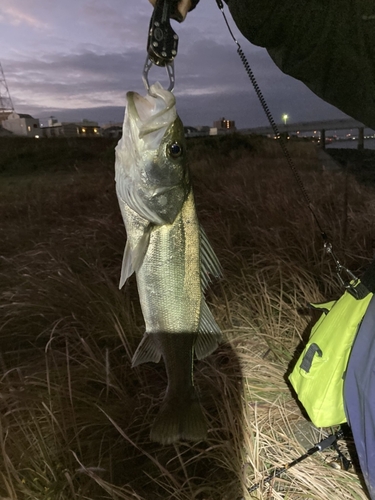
point(133, 259)
point(210, 264)
point(209, 334)
point(146, 351)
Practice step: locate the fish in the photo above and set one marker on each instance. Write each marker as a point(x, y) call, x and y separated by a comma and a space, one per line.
point(169, 253)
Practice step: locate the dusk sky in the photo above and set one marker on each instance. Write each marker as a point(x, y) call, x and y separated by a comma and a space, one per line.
point(76, 59)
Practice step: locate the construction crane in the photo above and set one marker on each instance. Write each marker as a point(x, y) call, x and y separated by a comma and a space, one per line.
point(6, 104)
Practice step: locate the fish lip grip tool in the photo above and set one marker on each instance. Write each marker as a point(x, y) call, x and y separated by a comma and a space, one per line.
point(162, 43)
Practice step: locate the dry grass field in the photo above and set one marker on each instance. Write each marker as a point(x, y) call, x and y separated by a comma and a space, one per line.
point(75, 418)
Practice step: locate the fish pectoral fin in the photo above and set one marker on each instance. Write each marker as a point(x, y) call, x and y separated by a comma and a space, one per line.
point(139, 252)
point(127, 268)
point(209, 334)
point(210, 265)
point(146, 351)
point(133, 259)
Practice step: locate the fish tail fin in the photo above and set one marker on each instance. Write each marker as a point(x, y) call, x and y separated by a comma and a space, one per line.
point(180, 417)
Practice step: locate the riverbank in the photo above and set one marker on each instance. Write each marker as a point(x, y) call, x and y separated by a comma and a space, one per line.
point(359, 163)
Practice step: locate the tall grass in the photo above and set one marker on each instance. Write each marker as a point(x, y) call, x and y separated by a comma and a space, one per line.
point(75, 418)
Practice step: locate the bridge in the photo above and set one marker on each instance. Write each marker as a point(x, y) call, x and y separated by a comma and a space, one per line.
point(322, 126)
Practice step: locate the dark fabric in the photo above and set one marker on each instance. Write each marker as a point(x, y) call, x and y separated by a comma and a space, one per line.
point(359, 396)
point(368, 278)
point(328, 45)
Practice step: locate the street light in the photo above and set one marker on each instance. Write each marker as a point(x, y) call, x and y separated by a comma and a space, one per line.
point(285, 117)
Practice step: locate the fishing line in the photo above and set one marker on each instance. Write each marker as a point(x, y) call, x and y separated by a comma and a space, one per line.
point(327, 245)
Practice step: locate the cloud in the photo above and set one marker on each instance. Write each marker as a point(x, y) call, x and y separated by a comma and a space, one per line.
point(123, 21)
point(16, 16)
point(210, 83)
point(102, 114)
point(245, 108)
point(74, 80)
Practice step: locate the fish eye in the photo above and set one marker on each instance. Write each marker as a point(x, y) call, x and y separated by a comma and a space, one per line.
point(175, 150)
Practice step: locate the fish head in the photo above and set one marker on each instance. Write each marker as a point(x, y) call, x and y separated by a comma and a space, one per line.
point(152, 176)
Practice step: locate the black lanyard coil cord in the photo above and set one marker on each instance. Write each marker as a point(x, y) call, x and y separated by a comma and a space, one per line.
point(351, 281)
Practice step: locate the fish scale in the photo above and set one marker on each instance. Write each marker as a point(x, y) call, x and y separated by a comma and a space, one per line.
point(170, 291)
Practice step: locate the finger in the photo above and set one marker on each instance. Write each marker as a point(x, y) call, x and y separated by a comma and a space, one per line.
point(183, 8)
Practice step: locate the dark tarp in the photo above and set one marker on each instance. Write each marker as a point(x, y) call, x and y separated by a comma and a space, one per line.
point(328, 45)
point(359, 396)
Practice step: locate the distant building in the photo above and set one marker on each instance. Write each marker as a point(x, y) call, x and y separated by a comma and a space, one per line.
point(203, 128)
point(21, 124)
point(85, 128)
point(222, 126)
point(4, 115)
point(196, 131)
point(112, 130)
point(192, 132)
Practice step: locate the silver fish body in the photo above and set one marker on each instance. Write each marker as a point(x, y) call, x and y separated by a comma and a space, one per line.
point(170, 255)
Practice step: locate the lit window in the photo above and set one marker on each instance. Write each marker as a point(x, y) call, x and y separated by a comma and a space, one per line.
point(28, 128)
point(83, 130)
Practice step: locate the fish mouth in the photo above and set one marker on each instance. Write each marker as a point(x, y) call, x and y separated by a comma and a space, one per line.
point(153, 112)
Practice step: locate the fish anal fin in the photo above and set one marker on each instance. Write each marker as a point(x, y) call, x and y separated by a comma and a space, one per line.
point(133, 259)
point(146, 351)
point(180, 418)
point(209, 334)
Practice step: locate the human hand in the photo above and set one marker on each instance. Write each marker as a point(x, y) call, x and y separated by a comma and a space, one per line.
point(183, 7)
